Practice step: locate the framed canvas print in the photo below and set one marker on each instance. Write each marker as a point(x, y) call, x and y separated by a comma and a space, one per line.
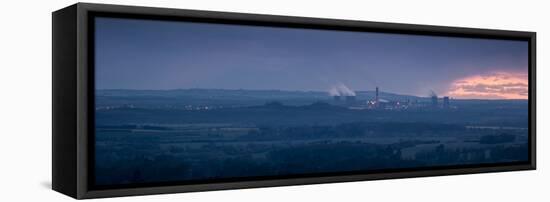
point(154, 100)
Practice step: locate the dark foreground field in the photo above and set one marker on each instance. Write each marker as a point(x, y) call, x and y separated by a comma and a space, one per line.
point(157, 144)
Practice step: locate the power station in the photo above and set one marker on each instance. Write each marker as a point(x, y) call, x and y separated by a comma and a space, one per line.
point(343, 96)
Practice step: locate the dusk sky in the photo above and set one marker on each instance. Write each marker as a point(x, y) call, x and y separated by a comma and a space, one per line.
point(148, 54)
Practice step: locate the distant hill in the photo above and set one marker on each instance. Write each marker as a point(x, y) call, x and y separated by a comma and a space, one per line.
point(216, 93)
point(285, 107)
point(181, 98)
point(370, 95)
point(241, 94)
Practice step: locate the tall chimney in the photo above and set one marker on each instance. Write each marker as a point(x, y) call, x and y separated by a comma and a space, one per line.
point(376, 94)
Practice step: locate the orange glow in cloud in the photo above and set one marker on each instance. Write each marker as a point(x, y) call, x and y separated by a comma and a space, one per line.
point(498, 85)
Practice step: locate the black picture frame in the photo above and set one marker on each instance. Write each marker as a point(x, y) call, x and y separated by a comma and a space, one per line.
point(73, 98)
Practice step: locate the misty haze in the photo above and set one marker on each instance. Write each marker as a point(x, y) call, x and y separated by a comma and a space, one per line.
point(195, 102)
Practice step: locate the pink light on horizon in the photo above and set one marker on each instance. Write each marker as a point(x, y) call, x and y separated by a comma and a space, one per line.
point(496, 85)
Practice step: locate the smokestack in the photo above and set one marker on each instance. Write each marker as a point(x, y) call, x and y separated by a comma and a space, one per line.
point(446, 103)
point(376, 94)
point(433, 95)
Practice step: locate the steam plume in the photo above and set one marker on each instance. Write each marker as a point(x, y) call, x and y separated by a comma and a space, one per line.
point(340, 90)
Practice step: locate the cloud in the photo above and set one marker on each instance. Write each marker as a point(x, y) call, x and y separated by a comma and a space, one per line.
point(496, 85)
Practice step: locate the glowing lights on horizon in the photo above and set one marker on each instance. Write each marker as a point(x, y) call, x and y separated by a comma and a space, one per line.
point(497, 85)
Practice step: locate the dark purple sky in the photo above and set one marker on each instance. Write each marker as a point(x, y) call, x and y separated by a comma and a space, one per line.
point(147, 54)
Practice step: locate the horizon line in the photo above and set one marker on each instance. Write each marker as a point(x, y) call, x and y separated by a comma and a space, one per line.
point(231, 89)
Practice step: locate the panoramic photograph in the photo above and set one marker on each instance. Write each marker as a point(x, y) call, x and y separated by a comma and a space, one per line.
point(195, 102)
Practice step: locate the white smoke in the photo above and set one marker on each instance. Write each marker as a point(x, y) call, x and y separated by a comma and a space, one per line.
point(333, 92)
point(340, 90)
